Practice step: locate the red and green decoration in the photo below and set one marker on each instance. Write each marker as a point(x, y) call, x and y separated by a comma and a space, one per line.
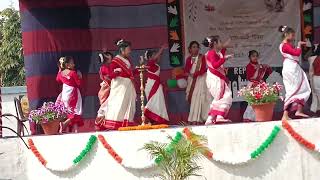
point(179, 137)
point(175, 33)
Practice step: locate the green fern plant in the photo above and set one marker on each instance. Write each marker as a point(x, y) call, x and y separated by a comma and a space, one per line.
point(181, 162)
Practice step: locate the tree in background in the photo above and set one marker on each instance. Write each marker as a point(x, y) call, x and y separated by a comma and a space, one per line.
point(11, 60)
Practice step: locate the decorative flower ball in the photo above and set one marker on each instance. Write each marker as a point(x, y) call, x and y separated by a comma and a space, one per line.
point(172, 83)
point(177, 71)
point(182, 83)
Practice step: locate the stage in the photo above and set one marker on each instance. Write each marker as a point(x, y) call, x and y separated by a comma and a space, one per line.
point(285, 158)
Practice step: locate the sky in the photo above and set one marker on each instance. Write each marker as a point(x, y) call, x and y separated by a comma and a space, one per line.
point(6, 3)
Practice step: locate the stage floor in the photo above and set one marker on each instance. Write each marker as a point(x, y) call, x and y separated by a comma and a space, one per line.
point(284, 159)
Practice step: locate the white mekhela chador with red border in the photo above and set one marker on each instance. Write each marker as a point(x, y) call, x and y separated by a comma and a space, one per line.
point(197, 93)
point(294, 78)
point(155, 109)
point(217, 85)
point(119, 108)
point(70, 96)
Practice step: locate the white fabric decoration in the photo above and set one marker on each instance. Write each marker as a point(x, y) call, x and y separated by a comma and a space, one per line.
point(182, 83)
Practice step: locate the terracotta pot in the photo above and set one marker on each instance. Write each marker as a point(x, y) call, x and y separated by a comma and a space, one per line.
point(51, 127)
point(264, 112)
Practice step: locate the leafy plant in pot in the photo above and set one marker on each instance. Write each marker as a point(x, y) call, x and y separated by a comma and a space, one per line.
point(178, 160)
point(262, 97)
point(49, 116)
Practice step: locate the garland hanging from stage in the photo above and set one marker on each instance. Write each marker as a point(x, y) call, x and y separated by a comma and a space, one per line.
point(186, 133)
point(299, 138)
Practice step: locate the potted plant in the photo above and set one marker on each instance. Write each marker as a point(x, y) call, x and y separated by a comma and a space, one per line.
point(262, 97)
point(178, 160)
point(49, 116)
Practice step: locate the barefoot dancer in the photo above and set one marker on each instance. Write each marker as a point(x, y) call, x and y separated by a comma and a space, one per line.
point(217, 80)
point(121, 104)
point(155, 109)
point(70, 95)
point(105, 58)
point(197, 93)
point(294, 78)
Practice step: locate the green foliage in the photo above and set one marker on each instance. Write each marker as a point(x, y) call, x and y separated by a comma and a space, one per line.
point(11, 59)
point(181, 161)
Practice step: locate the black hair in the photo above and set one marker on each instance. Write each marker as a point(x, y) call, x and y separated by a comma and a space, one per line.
point(149, 53)
point(253, 52)
point(192, 43)
point(102, 55)
point(209, 41)
point(122, 44)
point(63, 61)
point(317, 51)
point(285, 30)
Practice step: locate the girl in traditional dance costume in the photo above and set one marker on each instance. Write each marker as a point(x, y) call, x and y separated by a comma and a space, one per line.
point(105, 58)
point(255, 73)
point(314, 72)
point(197, 93)
point(70, 95)
point(121, 104)
point(217, 80)
point(155, 109)
point(294, 78)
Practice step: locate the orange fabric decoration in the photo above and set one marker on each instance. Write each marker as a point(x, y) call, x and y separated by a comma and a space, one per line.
point(174, 36)
point(36, 152)
point(188, 133)
point(296, 136)
point(110, 149)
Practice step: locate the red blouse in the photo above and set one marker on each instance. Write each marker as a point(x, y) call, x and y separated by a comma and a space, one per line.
point(214, 60)
point(104, 72)
point(316, 66)
point(252, 69)
point(72, 79)
point(152, 65)
point(189, 64)
point(289, 49)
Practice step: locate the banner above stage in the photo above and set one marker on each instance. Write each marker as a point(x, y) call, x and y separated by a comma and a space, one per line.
point(249, 24)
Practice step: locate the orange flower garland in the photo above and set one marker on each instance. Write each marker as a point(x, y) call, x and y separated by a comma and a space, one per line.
point(143, 127)
point(189, 135)
point(36, 152)
point(110, 149)
point(297, 136)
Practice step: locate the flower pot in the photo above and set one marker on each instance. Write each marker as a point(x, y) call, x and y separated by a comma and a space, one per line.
point(264, 112)
point(51, 127)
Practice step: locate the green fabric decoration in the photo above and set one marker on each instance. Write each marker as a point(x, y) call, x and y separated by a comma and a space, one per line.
point(170, 147)
point(172, 83)
point(307, 18)
point(86, 150)
point(266, 143)
point(175, 60)
point(174, 22)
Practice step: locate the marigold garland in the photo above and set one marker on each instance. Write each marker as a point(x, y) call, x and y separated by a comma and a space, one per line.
point(190, 135)
point(35, 151)
point(86, 150)
point(143, 127)
point(110, 149)
point(297, 136)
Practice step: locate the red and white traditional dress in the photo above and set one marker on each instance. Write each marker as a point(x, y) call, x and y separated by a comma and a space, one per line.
point(197, 93)
point(70, 96)
point(120, 107)
point(155, 109)
point(314, 72)
point(217, 85)
point(255, 73)
point(294, 78)
point(104, 91)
